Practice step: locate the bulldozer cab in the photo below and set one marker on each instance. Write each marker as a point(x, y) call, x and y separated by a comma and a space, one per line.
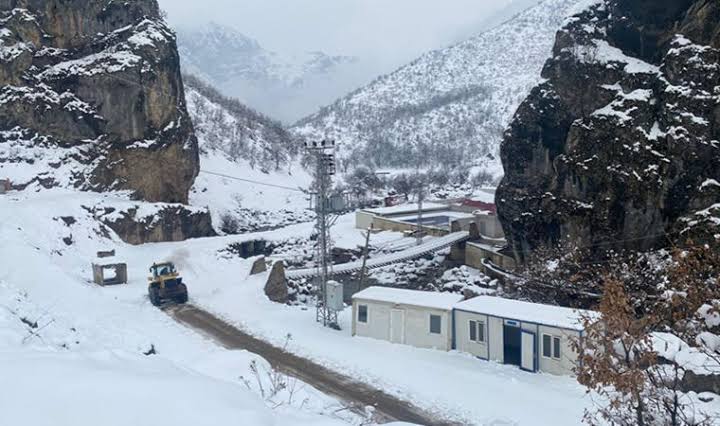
point(161, 271)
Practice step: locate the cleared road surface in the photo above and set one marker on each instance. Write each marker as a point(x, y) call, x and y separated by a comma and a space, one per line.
point(356, 394)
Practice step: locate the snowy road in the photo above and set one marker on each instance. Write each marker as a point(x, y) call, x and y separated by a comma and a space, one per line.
point(357, 394)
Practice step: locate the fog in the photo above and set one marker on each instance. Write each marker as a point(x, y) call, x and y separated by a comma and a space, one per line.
point(382, 34)
point(388, 32)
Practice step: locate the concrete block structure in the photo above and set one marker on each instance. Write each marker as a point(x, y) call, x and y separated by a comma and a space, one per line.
point(109, 273)
point(417, 318)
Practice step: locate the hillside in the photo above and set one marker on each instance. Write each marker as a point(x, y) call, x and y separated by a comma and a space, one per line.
point(237, 142)
point(450, 105)
point(618, 148)
point(283, 86)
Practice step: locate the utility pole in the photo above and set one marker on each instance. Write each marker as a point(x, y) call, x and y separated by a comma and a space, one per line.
point(324, 155)
point(419, 233)
point(363, 270)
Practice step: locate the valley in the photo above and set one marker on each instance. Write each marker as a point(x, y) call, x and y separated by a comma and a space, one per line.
point(521, 228)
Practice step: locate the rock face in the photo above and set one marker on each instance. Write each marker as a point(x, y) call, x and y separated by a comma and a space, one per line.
point(620, 147)
point(276, 288)
point(155, 223)
point(91, 97)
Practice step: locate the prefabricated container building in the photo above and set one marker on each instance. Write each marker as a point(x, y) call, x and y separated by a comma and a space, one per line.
point(533, 336)
point(417, 318)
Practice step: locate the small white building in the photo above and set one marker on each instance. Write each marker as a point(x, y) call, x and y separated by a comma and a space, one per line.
point(532, 336)
point(417, 318)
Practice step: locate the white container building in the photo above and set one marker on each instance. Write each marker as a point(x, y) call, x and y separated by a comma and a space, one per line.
point(417, 318)
point(533, 336)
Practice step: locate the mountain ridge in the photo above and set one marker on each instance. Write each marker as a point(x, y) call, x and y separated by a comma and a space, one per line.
point(450, 104)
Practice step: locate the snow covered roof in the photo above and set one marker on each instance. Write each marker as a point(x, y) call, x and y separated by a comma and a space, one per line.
point(406, 208)
point(446, 213)
point(426, 299)
point(554, 316)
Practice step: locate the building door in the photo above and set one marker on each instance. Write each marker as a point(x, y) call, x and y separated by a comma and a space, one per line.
point(512, 343)
point(397, 326)
point(529, 349)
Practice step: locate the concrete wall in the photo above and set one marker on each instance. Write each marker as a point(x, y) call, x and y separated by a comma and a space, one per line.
point(474, 255)
point(363, 219)
point(489, 226)
point(385, 224)
point(416, 328)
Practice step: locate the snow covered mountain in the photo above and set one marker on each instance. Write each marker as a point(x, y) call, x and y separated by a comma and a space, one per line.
point(450, 105)
point(280, 86)
point(241, 151)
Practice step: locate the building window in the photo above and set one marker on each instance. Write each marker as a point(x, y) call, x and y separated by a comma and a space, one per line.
point(551, 346)
point(435, 324)
point(362, 313)
point(556, 347)
point(477, 331)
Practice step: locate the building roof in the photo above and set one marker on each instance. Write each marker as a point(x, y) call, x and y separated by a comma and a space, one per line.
point(425, 299)
point(442, 213)
point(480, 205)
point(550, 315)
point(406, 208)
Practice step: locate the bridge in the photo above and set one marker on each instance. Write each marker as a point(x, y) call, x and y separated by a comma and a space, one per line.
point(432, 246)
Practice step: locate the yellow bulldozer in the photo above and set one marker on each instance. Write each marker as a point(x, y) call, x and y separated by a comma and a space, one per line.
point(166, 285)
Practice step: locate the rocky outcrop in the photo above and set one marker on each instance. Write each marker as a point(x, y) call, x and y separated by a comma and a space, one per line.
point(620, 147)
point(91, 97)
point(276, 288)
point(150, 223)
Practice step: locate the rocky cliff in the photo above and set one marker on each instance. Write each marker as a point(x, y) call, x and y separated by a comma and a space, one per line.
point(91, 97)
point(619, 147)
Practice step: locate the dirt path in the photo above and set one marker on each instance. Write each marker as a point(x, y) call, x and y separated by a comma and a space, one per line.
point(387, 407)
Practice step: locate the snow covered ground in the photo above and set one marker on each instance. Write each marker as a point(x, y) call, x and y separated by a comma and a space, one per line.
point(80, 348)
point(91, 340)
point(61, 337)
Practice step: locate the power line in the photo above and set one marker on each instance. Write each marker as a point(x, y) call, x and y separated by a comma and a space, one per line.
point(252, 181)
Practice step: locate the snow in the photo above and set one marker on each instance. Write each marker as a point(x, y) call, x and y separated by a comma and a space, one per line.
point(106, 62)
point(709, 183)
point(83, 362)
point(113, 388)
point(425, 299)
point(405, 208)
point(555, 316)
point(449, 214)
point(674, 349)
point(119, 319)
point(603, 53)
point(463, 95)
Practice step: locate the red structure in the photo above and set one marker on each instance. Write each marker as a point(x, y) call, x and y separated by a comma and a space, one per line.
point(479, 205)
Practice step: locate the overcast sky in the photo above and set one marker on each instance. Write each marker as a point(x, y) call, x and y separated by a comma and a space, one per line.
point(386, 31)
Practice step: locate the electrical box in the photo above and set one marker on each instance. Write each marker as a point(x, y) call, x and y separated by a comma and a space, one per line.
point(334, 296)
